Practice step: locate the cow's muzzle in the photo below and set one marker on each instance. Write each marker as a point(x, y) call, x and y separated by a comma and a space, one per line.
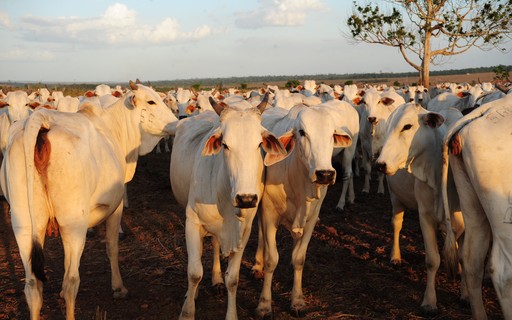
point(244, 201)
point(325, 176)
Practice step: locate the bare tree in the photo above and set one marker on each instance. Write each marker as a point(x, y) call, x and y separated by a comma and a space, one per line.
point(429, 31)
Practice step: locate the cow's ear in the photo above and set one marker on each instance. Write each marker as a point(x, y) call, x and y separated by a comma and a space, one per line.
point(213, 144)
point(463, 94)
point(277, 148)
point(341, 139)
point(387, 101)
point(34, 104)
point(433, 120)
point(3, 104)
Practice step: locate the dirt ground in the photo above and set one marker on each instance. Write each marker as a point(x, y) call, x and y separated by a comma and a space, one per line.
point(347, 271)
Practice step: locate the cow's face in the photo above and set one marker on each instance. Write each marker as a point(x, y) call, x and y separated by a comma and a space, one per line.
point(409, 133)
point(316, 137)
point(238, 140)
point(156, 120)
point(17, 104)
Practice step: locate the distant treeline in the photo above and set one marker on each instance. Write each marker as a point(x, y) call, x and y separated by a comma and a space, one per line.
point(252, 81)
point(237, 81)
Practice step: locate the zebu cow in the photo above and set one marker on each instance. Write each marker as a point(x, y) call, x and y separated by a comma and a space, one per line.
point(295, 189)
point(216, 173)
point(64, 172)
point(376, 108)
point(481, 149)
point(413, 142)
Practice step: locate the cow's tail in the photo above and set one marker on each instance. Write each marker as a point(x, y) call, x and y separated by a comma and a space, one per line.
point(37, 155)
point(450, 246)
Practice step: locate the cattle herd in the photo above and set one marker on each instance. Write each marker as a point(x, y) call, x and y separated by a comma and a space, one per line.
point(264, 158)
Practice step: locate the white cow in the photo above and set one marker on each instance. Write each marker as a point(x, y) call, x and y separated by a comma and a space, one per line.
point(461, 100)
point(480, 151)
point(375, 110)
point(346, 117)
point(295, 189)
point(68, 104)
point(216, 173)
point(414, 142)
point(64, 172)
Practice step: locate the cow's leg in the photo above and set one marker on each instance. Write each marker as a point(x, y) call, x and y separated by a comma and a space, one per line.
point(501, 272)
point(112, 236)
point(396, 220)
point(73, 240)
point(194, 240)
point(33, 286)
point(477, 237)
point(499, 214)
point(233, 272)
point(271, 258)
point(346, 164)
point(217, 280)
point(367, 166)
point(257, 268)
point(298, 259)
point(428, 226)
point(166, 144)
point(380, 188)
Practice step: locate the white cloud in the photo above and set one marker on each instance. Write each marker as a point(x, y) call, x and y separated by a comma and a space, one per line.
point(26, 54)
point(5, 21)
point(281, 13)
point(117, 25)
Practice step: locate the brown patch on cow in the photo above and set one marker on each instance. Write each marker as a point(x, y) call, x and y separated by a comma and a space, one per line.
point(455, 144)
point(3, 104)
point(90, 94)
point(117, 94)
point(52, 229)
point(463, 94)
point(34, 104)
point(42, 153)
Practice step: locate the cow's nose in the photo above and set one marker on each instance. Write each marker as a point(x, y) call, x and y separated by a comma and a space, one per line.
point(372, 119)
point(182, 117)
point(245, 201)
point(325, 176)
point(411, 99)
point(381, 166)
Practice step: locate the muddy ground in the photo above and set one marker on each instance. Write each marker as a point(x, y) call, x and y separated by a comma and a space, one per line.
point(347, 271)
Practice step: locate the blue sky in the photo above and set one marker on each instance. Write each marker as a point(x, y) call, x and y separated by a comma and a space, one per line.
point(100, 41)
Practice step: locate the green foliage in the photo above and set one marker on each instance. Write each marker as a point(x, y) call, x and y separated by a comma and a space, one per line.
point(397, 84)
point(349, 82)
point(196, 86)
point(501, 73)
point(243, 86)
point(292, 83)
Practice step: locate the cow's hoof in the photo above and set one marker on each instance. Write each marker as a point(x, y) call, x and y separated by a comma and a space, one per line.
point(120, 293)
point(298, 313)
point(429, 311)
point(263, 314)
point(396, 262)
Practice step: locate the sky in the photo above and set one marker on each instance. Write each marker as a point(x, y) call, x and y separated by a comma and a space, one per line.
point(108, 41)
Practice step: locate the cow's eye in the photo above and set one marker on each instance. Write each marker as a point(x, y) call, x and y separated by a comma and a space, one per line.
point(225, 146)
point(151, 102)
point(302, 133)
point(406, 127)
